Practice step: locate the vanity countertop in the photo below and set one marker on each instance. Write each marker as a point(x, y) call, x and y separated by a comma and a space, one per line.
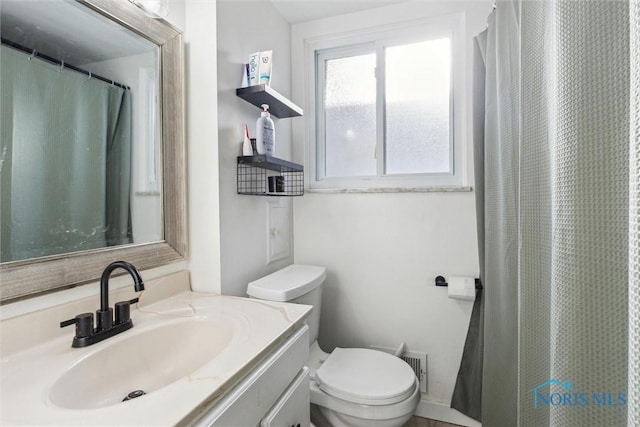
point(252, 329)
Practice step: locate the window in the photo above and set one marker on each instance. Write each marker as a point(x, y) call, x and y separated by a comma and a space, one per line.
point(349, 105)
point(417, 108)
point(384, 109)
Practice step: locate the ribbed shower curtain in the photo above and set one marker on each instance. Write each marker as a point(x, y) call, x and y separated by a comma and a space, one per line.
point(574, 199)
point(561, 206)
point(467, 393)
point(501, 192)
point(486, 387)
point(634, 221)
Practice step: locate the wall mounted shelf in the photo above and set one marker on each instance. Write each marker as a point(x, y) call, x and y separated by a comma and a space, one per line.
point(254, 171)
point(279, 106)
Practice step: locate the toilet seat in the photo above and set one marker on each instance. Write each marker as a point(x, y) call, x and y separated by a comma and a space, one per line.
point(364, 376)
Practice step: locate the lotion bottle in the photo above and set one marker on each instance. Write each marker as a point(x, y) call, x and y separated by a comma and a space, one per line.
point(265, 133)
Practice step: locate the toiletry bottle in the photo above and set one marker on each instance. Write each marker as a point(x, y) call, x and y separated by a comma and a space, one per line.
point(265, 133)
point(247, 150)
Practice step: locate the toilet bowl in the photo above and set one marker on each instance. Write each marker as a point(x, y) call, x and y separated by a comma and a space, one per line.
point(361, 387)
point(351, 386)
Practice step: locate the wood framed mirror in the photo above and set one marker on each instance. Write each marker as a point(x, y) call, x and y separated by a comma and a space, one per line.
point(22, 278)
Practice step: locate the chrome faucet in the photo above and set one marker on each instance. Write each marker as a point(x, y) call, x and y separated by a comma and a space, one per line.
point(105, 327)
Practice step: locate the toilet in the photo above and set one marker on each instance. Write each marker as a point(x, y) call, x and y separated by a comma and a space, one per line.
point(351, 386)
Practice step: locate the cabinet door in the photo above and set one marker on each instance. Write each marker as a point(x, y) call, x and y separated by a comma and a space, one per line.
point(247, 403)
point(292, 409)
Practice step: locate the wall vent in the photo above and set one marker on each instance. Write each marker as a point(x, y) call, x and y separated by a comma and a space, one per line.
point(417, 361)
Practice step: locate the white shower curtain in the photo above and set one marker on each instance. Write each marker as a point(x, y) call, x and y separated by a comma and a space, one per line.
point(501, 175)
point(568, 250)
point(634, 221)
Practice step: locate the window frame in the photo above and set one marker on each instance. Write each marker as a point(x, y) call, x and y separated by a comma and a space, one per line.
point(377, 40)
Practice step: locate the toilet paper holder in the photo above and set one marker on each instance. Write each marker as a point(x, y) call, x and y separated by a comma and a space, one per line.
point(441, 281)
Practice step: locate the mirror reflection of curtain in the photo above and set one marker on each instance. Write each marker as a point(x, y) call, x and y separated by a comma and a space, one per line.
point(64, 160)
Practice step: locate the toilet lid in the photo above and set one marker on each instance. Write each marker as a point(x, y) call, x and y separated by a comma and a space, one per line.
point(365, 376)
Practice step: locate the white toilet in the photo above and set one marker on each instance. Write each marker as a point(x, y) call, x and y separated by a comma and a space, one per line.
point(352, 386)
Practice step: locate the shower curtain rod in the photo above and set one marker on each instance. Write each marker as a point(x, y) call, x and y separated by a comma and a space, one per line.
point(62, 64)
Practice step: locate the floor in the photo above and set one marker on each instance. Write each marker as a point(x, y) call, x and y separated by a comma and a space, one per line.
point(319, 420)
point(426, 422)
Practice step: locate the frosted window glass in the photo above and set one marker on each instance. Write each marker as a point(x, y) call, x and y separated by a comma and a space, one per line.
point(417, 107)
point(350, 116)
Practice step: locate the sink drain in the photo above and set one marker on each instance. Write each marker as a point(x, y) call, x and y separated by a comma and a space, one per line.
point(133, 395)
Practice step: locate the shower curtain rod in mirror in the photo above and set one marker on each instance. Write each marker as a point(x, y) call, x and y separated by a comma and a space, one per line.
point(61, 63)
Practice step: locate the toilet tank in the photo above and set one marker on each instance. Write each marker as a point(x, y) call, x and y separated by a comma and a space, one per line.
point(299, 284)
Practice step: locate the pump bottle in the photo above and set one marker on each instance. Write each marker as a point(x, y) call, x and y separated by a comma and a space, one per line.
point(265, 133)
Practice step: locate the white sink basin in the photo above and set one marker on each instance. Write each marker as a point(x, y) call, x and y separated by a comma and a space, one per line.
point(184, 351)
point(146, 360)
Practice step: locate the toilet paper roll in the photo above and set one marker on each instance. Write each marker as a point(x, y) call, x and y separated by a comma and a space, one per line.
point(462, 288)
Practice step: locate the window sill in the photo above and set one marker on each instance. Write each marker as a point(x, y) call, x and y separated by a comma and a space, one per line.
point(443, 189)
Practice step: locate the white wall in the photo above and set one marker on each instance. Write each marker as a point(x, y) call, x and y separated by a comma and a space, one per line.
point(243, 28)
point(176, 14)
point(382, 250)
point(202, 143)
point(197, 20)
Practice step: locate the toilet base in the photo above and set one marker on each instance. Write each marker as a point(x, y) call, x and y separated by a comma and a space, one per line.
point(343, 420)
point(341, 413)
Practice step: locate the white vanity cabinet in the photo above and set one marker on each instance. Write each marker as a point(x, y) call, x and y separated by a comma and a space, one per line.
point(275, 393)
point(292, 409)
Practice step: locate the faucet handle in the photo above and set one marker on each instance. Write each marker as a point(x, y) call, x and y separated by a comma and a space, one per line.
point(69, 322)
point(83, 322)
point(123, 310)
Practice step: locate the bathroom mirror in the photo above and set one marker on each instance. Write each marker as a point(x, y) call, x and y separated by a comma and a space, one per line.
point(92, 149)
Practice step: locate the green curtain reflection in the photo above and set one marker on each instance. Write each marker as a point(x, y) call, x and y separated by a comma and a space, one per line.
point(64, 160)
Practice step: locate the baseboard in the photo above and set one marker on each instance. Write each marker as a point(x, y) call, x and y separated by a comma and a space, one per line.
point(442, 412)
